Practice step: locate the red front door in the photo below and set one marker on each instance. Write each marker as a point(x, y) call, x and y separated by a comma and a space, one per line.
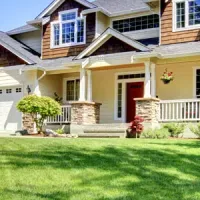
point(134, 90)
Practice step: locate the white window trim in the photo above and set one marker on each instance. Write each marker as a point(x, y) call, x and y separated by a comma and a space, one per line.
point(65, 88)
point(187, 26)
point(136, 16)
point(124, 95)
point(60, 22)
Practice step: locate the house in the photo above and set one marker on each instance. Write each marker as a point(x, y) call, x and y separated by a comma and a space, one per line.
point(105, 59)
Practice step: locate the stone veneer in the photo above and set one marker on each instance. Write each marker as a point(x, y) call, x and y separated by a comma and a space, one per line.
point(85, 113)
point(28, 123)
point(148, 109)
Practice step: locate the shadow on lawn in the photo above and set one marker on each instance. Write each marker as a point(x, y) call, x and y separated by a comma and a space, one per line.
point(144, 174)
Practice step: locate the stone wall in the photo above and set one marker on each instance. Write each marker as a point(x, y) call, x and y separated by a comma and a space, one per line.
point(85, 113)
point(148, 109)
point(28, 123)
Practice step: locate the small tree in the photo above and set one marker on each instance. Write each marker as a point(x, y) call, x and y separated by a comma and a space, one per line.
point(39, 108)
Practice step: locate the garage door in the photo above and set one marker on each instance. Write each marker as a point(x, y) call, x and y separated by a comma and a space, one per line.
point(10, 118)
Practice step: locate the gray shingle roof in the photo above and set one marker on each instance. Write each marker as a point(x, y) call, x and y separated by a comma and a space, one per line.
point(178, 49)
point(120, 6)
point(22, 29)
point(18, 49)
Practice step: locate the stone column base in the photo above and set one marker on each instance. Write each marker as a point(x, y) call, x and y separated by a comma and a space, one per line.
point(85, 113)
point(28, 123)
point(148, 109)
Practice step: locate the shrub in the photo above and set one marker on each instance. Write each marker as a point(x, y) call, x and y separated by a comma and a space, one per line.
point(155, 133)
point(39, 108)
point(136, 127)
point(60, 131)
point(196, 129)
point(175, 129)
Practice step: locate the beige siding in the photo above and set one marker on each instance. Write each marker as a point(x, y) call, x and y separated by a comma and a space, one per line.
point(103, 22)
point(51, 84)
point(183, 85)
point(31, 39)
point(14, 78)
point(104, 91)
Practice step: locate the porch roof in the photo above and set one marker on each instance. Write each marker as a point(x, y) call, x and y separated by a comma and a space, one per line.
point(177, 50)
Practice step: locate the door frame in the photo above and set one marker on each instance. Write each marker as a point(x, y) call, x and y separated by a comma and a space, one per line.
point(124, 95)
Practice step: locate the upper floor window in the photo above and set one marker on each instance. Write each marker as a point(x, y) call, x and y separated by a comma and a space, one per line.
point(69, 30)
point(186, 14)
point(138, 23)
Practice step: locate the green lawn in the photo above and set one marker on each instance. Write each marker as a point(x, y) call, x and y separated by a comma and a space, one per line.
point(97, 169)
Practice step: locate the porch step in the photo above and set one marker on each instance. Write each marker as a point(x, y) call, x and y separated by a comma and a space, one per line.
point(102, 135)
point(105, 131)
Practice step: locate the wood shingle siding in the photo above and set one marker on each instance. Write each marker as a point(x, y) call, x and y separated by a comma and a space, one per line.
point(9, 59)
point(48, 53)
point(167, 34)
point(113, 45)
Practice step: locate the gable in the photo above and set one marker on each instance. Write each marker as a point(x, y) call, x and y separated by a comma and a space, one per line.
point(67, 5)
point(9, 59)
point(113, 45)
point(56, 3)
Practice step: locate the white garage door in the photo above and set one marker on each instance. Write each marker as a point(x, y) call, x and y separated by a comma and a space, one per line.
point(10, 118)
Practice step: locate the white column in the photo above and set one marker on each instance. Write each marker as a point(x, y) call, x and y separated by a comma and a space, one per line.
point(147, 86)
point(82, 85)
point(153, 80)
point(89, 86)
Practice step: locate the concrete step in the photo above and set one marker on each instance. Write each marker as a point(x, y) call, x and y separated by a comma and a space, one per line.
point(106, 128)
point(102, 135)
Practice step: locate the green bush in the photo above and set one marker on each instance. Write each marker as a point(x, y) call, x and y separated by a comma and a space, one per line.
point(39, 108)
point(196, 129)
point(175, 129)
point(60, 131)
point(155, 134)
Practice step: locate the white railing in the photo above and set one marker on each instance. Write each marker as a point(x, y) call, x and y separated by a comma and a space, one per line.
point(65, 116)
point(180, 110)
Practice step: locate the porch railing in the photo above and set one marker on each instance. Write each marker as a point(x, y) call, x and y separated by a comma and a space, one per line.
point(65, 116)
point(180, 110)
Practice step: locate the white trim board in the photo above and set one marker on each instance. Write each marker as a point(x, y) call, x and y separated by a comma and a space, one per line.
point(105, 37)
point(54, 5)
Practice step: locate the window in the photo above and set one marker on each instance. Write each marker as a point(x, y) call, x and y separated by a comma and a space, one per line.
point(69, 30)
point(1, 91)
point(131, 76)
point(18, 90)
point(138, 23)
point(72, 90)
point(186, 14)
point(8, 91)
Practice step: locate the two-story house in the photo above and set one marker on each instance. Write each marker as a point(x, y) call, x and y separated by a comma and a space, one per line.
point(105, 59)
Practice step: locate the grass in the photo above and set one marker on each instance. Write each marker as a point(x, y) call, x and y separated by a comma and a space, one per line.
point(99, 169)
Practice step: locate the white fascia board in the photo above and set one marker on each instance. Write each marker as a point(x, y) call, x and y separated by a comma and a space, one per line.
point(57, 3)
point(106, 36)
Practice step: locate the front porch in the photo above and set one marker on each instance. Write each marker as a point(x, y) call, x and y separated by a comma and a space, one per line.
point(107, 83)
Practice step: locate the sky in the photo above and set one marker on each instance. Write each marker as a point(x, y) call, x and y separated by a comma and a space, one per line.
point(15, 13)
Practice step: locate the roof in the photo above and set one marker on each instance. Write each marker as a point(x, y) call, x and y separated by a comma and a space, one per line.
point(175, 50)
point(56, 3)
point(17, 48)
point(105, 37)
point(119, 7)
point(22, 29)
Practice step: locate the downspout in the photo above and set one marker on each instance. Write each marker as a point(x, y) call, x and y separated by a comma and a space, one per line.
point(37, 87)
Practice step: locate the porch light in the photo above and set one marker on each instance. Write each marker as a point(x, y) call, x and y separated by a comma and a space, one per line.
point(28, 89)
